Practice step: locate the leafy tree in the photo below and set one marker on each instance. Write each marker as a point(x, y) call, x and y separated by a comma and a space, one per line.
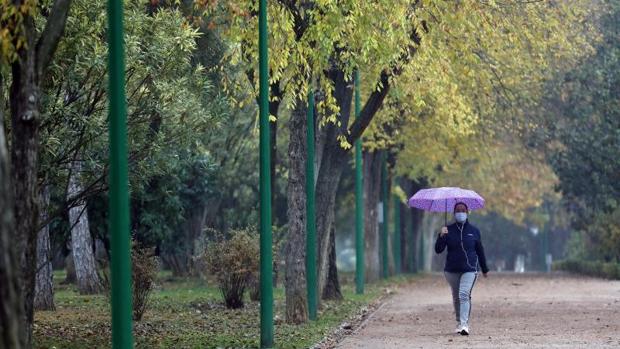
point(580, 136)
point(403, 43)
point(169, 108)
point(170, 213)
point(28, 43)
point(587, 127)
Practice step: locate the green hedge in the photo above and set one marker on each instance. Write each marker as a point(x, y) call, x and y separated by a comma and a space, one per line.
point(591, 268)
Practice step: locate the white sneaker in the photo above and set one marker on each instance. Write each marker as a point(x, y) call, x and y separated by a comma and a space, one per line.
point(459, 328)
point(465, 330)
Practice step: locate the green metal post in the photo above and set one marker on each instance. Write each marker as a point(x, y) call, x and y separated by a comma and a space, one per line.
point(542, 251)
point(421, 254)
point(120, 264)
point(545, 236)
point(397, 233)
point(359, 200)
point(410, 242)
point(311, 244)
point(385, 201)
point(266, 285)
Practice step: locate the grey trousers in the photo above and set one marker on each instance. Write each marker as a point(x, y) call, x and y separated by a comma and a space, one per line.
point(461, 285)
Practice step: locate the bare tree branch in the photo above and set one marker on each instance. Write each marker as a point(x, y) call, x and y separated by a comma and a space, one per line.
point(51, 35)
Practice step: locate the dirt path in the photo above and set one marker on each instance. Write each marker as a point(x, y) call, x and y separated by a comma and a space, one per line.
point(509, 311)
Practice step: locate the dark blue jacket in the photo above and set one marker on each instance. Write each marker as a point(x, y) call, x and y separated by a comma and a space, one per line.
point(465, 257)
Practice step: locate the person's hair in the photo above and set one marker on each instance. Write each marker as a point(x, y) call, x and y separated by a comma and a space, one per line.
point(461, 203)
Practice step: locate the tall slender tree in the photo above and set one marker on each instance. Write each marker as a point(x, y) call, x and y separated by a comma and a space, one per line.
point(12, 332)
point(30, 53)
point(81, 241)
point(44, 284)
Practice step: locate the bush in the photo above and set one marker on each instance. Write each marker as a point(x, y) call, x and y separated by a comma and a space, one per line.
point(254, 285)
point(604, 236)
point(278, 242)
point(591, 268)
point(144, 266)
point(234, 263)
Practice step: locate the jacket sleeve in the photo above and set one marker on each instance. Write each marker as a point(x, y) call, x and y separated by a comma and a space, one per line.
point(441, 243)
point(481, 257)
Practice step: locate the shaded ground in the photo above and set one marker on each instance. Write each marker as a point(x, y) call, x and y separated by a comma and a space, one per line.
point(509, 311)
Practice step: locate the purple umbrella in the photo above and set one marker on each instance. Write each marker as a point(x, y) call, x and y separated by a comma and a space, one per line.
point(443, 199)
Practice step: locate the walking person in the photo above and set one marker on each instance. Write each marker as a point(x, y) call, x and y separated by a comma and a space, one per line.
point(465, 258)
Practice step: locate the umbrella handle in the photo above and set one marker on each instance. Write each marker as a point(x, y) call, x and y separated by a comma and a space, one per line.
point(446, 214)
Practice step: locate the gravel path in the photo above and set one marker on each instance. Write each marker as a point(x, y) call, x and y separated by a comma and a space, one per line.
point(509, 311)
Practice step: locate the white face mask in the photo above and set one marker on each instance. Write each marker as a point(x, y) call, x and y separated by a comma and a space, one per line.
point(460, 217)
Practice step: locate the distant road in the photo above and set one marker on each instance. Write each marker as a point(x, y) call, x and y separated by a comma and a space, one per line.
point(509, 311)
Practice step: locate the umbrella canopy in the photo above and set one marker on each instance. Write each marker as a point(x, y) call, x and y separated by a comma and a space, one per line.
point(443, 199)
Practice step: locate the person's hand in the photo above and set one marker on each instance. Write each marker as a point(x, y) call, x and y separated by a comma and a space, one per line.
point(443, 232)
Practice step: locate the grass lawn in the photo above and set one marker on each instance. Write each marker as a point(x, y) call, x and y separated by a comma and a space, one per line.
point(188, 313)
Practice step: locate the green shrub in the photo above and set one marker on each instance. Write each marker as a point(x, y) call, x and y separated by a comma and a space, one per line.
point(592, 268)
point(254, 287)
point(234, 263)
point(598, 239)
point(144, 268)
point(604, 235)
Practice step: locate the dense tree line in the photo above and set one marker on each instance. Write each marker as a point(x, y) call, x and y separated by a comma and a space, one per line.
point(450, 94)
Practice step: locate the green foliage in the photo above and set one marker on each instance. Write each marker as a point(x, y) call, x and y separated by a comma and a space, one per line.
point(234, 150)
point(578, 127)
point(591, 268)
point(161, 208)
point(476, 66)
point(503, 239)
point(455, 114)
point(311, 37)
point(12, 31)
point(599, 240)
point(166, 95)
point(576, 247)
point(581, 123)
point(234, 263)
point(173, 117)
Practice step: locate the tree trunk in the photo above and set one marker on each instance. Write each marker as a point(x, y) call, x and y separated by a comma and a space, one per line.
point(331, 291)
point(44, 286)
point(28, 70)
point(415, 218)
point(24, 99)
point(326, 189)
point(295, 273)
point(429, 227)
point(333, 156)
point(333, 159)
point(12, 332)
point(409, 232)
point(195, 225)
point(176, 263)
point(274, 106)
point(183, 260)
point(413, 224)
point(81, 240)
point(372, 190)
point(70, 277)
point(403, 240)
